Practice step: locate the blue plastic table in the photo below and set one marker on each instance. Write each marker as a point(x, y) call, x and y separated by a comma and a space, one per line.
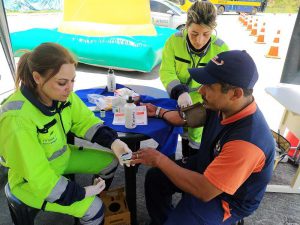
point(163, 133)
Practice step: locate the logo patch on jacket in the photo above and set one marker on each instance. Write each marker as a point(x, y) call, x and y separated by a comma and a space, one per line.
point(217, 149)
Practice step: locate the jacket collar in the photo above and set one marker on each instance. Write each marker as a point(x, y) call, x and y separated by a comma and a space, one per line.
point(46, 110)
point(248, 110)
point(190, 48)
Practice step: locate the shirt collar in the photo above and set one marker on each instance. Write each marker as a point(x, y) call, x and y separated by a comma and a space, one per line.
point(248, 110)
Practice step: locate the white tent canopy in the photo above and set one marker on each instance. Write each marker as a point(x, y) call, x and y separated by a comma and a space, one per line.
point(5, 39)
point(7, 67)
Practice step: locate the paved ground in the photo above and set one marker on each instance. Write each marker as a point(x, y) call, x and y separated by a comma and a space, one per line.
point(276, 209)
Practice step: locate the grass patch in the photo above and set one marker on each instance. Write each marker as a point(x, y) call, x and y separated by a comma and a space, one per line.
point(283, 6)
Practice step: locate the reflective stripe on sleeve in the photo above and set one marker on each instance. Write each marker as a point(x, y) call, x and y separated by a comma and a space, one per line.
point(171, 85)
point(94, 209)
point(219, 42)
point(91, 132)
point(193, 144)
point(57, 191)
point(109, 171)
point(179, 34)
point(58, 153)
point(16, 105)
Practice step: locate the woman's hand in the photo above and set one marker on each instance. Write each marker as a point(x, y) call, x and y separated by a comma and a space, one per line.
point(119, 148)
point(96, 188)
point(184, 100)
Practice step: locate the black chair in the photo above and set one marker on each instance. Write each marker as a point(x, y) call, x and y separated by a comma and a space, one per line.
point(20, 213)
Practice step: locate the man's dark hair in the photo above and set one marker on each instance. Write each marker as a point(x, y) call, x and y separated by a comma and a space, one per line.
point(226, 87)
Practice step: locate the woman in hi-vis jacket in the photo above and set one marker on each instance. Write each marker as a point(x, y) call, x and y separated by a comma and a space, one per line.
point(191, 47)
point(34, 122)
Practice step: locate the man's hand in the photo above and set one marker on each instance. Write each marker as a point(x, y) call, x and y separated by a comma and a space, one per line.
point(147, 156)
point(184, 100)
point(119, 148)
point(151, 109)
point(96, 188)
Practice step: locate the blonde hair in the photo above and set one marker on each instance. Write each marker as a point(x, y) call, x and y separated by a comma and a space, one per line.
point(202, 13)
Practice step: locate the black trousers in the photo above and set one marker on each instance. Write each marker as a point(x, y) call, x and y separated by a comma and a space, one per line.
point(187, 151)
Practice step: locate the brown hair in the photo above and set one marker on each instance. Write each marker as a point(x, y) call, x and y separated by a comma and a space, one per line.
point(46, 59)
point(202, 13)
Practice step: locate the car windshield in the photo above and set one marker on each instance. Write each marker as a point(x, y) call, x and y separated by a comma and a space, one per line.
point(174, 7)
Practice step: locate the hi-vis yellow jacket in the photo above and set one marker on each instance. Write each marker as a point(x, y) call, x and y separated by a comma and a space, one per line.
point(176, 60)
point(34, 144)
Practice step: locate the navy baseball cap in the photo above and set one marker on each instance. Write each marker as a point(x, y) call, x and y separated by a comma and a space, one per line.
point(235, 67)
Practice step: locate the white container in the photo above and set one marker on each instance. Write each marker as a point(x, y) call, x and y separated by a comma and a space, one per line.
point(111, 81)
point(129, 111)
point(117, 104)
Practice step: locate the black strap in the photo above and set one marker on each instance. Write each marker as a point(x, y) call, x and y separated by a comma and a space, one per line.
point(46, 127)
point(182, 60)
point(44, 205)
point(201, 55)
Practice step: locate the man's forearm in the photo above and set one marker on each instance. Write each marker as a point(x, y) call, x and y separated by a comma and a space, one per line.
point(172, 116)
point(188, 181)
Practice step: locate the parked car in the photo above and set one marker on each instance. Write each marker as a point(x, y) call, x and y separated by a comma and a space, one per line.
point(167, 14)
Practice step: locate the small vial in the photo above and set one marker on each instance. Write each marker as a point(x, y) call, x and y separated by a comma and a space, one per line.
point(102, 113)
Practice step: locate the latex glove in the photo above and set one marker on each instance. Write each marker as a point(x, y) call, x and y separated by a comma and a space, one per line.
point(96, 188)
point(119, 148)
point(184, 100)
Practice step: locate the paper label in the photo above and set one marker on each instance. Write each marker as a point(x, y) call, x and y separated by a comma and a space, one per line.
point(140, 117)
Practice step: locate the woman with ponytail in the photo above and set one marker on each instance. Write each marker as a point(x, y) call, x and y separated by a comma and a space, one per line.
point(34, 123)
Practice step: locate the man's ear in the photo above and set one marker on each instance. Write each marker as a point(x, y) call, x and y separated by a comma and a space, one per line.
point(237, 93)
point(37, 77)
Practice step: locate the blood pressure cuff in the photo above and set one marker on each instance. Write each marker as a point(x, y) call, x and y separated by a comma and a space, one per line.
point(194, 115)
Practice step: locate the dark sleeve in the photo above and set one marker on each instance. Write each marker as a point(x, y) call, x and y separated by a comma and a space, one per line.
point(105, 136)
point(73, 193)
point(178, 90)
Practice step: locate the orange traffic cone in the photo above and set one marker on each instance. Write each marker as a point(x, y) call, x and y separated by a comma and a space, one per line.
point(249, 27)
point(274, 48)
point(245, 16)
point(246, 22)
point(261, 37)
point(254, 30)
point(241, 18)
point(263, 29)
point(276, 38)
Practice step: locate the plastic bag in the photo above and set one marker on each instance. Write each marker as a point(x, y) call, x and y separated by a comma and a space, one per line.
point(125, 92)
point(102, 102)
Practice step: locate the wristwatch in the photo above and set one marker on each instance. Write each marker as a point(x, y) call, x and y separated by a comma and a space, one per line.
point(157, 111)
